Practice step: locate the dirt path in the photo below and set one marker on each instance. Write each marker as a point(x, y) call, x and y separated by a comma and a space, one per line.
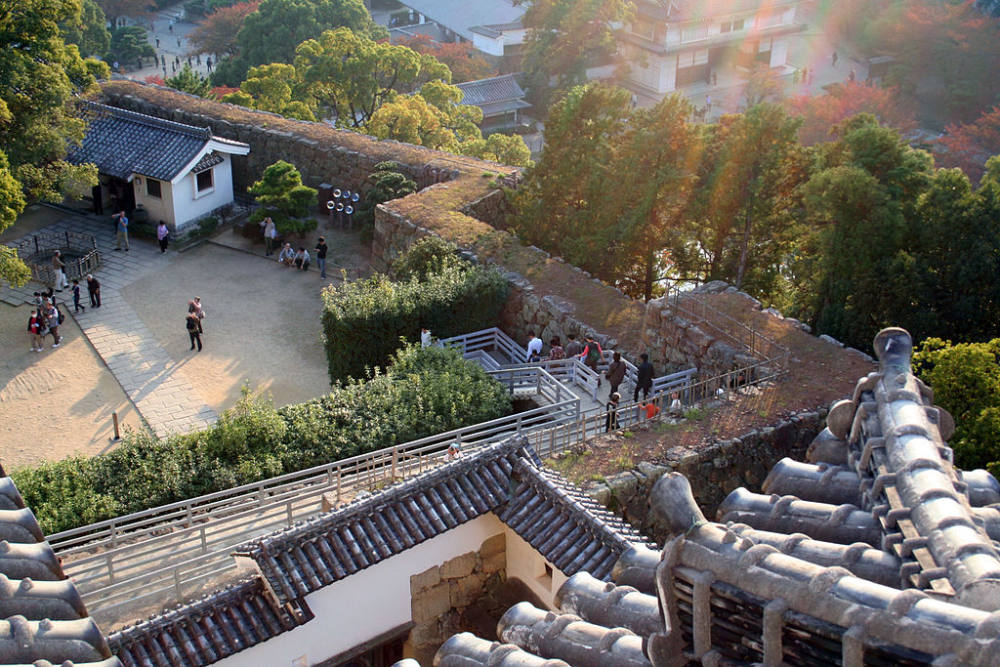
point(57, 402)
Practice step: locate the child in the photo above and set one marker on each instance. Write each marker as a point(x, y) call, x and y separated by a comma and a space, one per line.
point(35, 329)
point(76, 297)
point(611, 420)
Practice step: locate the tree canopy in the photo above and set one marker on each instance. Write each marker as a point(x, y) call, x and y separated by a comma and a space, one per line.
point(88, 30)
point(217, 32)
point(272, 33)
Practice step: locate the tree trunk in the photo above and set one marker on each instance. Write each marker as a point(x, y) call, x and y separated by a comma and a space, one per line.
point(647, 283)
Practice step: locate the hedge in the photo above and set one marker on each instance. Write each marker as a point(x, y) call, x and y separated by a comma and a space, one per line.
point(423, 392)
point(364, 320)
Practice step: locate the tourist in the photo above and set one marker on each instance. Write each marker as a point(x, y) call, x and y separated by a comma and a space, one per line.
point(38, 301)
point(616, 372)
point(163, 236)
point(59, 268)
point(94, 288)
point(644, 381)
point(425, 337)
point(534, 347)
point(321, 256)
point(122, 229)
point(573, 347)
point(270, 234)
point(35, 329)
point(287, 255)
point(302, 259)
point(76, 297)
point(611, 418)
point(592, 355)
point(556, 351)
point(194, 330)
point(194, 306)
point(651, 409)
point(52, 316)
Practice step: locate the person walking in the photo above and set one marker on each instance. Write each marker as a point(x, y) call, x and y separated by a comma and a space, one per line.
point(573, 347)
point(616, 372)
point(35, 329)
point(592, 355)
point(122, 230)
point(556, 351)
point(534, 347)
point(270, 234)
point(52, 320)
point(194, 330)
point(644, 381)
point(76, 297)
point(163, 236)
point(321, 256)
point(59, 268)
point(94, 289)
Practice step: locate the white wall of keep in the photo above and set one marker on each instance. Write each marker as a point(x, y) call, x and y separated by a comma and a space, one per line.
point(365, 605)
point(526, 564)
point(190, 205)
point(779, 52)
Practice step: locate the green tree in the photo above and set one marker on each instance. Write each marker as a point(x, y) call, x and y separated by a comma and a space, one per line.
point(129, 44)
point(564, 38)
point(40, 75)
point(742, 222)
point(386, 183)
point(284, 199)
point(503, 148)
point(350, 75)
point(286, 24)
point(966, 382)
point(88, 30)
point(276, 88)
point(558, 203)
point(189, 81)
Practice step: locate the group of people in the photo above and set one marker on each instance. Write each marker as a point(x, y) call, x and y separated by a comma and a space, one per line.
point(44, 320)
point(288, 256)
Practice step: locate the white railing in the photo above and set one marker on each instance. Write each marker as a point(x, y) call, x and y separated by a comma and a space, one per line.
point(172, 549)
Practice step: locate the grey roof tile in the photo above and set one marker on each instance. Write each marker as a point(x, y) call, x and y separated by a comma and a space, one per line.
point(495, 95)
point(501, 478)
point(208, 630)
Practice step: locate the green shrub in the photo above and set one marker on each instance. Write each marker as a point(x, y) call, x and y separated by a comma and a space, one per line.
point(430, 254)
point(423, 392)
point(284, 199)
point(364, 321)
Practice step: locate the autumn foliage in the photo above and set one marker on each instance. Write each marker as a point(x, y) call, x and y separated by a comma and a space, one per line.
point(217, 32)
point(821, 113)
point(969, 145)
point(465, 63)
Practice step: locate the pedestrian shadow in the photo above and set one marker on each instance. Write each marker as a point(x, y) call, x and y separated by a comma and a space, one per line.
point(155, 382)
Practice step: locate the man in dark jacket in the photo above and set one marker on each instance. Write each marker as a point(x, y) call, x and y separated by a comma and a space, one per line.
point(94, 288)
point(615, 372)
point(645, 379)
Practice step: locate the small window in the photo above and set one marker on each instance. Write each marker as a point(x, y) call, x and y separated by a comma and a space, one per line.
point(153, 188)
point(726, 26)
point(738, 25)
point(204, 180)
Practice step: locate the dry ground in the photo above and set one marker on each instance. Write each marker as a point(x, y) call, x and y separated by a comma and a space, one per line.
point(57, 402)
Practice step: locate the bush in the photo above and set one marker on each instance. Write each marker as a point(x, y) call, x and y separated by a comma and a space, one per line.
point(423, 392)
point(364, 321)
point(284, 199)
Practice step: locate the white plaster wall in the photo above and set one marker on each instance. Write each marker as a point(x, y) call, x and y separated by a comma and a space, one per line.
point(668, 74)
point(159, 208)
point(187, 208)
point(365, 605)
point(489, 45)
point(779, 52)
point(526, 564)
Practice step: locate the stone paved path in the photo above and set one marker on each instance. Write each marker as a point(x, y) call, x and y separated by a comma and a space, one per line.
point(154, 383)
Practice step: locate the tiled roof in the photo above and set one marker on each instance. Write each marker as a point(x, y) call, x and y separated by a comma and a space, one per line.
point(493, 89)
point(122, 143)
point(461, 15)
point(504, 478)
point(207, 162)
point(792, 584)
point(42, 618)
point(203, 632)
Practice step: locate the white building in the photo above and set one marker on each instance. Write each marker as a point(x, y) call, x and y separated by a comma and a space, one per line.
point(493, 26)
point(675, 43)
point(177, 173)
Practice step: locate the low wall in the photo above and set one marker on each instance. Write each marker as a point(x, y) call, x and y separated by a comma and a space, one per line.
point(714, 470)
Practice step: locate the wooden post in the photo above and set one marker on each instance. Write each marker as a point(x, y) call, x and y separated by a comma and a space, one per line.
point(114, 419)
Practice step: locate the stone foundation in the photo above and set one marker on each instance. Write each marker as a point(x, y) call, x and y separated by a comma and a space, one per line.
point(440, 595)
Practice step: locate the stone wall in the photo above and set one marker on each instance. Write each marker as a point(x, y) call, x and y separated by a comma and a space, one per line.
point(714, 470)
point(440, 595)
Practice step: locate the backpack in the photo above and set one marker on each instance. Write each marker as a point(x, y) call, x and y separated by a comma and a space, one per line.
point(593, 353)
point(61, 318)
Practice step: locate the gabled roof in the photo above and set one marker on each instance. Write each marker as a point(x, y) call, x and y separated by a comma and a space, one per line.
point(208, 630)
point(494, 95)
point(122, 143)
point(504, 478)
point(461, 15)
point(42, 618)
point(497, 29)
